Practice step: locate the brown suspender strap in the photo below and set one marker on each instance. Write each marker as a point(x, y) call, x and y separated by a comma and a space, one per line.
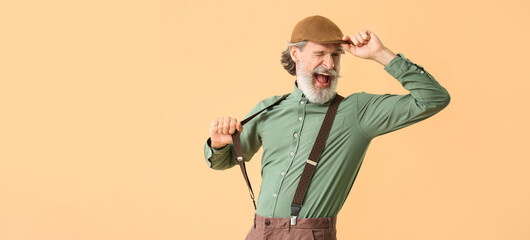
point(237, 147)
point(314, 156)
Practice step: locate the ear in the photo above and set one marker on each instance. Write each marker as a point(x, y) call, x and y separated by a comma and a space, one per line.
point(294, 53)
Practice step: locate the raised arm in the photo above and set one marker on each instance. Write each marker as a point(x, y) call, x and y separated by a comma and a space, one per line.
point(380, 114)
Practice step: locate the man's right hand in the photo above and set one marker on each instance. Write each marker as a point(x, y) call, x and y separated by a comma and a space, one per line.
point(221, 131)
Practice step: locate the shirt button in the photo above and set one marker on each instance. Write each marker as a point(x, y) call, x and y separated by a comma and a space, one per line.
point(274, 195)
point(283, 173)
point(295, 135)
point(422, 72)
point(300, 118)
point(292, 153)
point(267, 222)
point(302, 102)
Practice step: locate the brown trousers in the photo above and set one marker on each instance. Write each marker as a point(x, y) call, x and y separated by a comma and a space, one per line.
point(280, 228)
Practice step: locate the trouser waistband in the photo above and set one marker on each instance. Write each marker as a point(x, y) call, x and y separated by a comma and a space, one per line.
point(312, 223)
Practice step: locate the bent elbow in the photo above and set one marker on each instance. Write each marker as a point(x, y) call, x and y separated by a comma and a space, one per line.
point(440, 102)
point(445, 99)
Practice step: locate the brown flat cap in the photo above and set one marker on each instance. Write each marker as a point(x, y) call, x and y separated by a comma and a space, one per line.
point(317, 29)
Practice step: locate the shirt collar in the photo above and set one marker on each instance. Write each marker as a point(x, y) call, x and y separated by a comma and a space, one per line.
point(297, 93)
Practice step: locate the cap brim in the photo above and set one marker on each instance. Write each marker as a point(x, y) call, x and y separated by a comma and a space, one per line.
point(332, 42)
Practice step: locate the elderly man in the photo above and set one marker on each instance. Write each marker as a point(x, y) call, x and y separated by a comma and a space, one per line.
point(289, 129)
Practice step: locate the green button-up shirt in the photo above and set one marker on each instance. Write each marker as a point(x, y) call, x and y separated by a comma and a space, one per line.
point(287, 133)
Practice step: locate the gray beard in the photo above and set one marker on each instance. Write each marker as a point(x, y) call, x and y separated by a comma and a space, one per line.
point(315, 94)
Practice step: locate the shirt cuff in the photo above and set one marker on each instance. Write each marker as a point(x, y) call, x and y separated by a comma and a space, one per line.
point(400, 64)
point(212, 154)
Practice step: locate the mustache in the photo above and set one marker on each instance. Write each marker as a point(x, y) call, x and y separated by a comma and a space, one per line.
point(321, 70)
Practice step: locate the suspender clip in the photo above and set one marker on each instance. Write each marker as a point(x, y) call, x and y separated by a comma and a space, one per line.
point(293, 220)
point(295, 210)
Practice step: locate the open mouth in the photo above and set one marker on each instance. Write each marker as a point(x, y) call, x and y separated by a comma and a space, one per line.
point(322, 79)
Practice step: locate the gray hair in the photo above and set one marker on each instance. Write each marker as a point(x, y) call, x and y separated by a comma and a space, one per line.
point(287, 61)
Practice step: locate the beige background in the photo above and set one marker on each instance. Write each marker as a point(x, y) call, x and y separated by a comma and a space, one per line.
point(105, 106)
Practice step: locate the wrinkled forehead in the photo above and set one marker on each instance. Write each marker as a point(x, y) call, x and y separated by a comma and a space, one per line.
point(326, 47)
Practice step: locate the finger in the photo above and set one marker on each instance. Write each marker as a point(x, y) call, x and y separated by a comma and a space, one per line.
point(232, 127)
point(354, 40)
point(365, 36)
point(220, 126)
point(213, 126)
point(226, 125)
point(346, 38)
point(359, 39)
point(373, 37)
point(346, 46)
point(239, 126)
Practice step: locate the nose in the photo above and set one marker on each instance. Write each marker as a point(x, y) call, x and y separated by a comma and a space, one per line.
point(328, 62)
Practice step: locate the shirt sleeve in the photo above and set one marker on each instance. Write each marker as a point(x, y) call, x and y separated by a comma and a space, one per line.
point(250, 143)
point(380, 114)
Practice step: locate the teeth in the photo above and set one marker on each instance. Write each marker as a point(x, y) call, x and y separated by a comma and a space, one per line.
point(325, 74)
